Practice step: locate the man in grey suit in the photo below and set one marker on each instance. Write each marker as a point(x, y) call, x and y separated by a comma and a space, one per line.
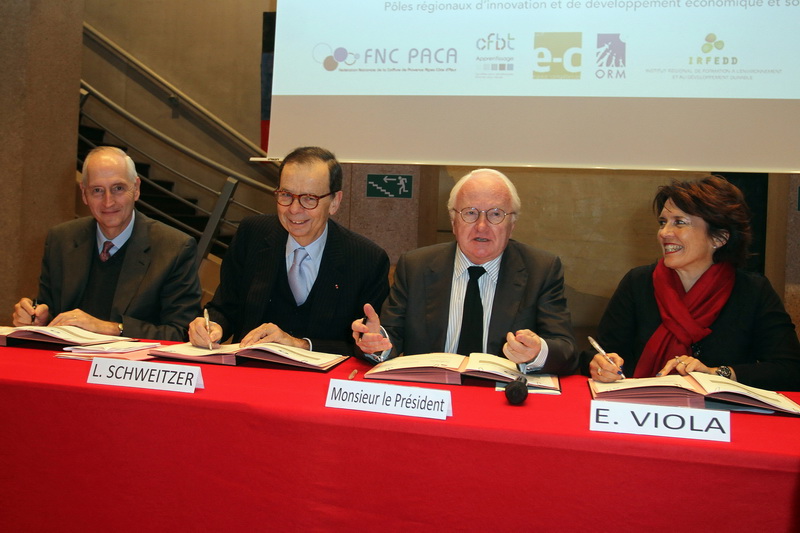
point(297, 278)
point(117, 272)
point(522, 311)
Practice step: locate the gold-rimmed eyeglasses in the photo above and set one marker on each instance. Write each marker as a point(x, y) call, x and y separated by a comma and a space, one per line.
point(470, 215)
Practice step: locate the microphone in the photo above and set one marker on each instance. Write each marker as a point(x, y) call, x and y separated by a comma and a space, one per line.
point(517, 391)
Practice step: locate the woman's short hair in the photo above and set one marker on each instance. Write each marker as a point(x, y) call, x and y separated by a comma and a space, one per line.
point(722, 205)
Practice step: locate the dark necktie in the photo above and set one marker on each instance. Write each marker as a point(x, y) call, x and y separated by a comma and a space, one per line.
point(471, 338)
point(104, 255)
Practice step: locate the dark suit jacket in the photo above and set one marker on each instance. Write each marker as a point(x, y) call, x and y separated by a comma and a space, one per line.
point(753, 334)
point(158, 292)
point(529, 295)
point(354, 271)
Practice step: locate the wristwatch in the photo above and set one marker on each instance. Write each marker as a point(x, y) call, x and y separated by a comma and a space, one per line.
point(119, 325)
point(724, 371)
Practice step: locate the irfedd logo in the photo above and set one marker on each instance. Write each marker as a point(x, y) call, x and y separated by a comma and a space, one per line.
point(711, 48)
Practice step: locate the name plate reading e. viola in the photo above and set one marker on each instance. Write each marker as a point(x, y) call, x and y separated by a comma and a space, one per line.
point(145, 375)
point(660, 421)
point(389, 399)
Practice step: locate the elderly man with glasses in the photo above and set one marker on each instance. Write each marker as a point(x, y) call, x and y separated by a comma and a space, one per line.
point(483, 293)
point(117, 272)
point(297, 278)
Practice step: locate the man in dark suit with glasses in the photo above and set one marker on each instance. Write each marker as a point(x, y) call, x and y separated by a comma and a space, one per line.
point(296, 278)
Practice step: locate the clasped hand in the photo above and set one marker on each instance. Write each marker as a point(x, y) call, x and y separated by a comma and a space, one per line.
point(522, 347)
point(602, 370)
point(368, 337)
point(268, 332)
point(26, 315)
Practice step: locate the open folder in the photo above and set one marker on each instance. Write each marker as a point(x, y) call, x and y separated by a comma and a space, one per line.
point(63, 335)
point(692, 390)
point(268, 351)
point(449, 367)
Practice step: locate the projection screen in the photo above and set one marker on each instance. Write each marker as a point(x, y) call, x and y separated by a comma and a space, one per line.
point(636, 84)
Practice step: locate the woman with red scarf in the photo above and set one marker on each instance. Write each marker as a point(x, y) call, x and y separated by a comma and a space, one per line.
point(694, 310)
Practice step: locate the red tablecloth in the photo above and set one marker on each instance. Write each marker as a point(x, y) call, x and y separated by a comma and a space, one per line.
point(258, 450)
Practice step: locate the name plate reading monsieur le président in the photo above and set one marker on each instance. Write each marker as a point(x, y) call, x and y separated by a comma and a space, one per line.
point(660, 421)
point(145, 375)
point(389, 399)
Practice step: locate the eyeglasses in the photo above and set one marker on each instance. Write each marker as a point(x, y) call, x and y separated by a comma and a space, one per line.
point(470, 215)
point(308, 201)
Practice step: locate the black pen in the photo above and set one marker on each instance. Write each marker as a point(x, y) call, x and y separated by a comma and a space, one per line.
point(33, 316)
point(363, 321)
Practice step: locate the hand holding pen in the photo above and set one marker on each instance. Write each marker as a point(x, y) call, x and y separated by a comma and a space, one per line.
point(208, 328)
point(605, 374)
point(203, 333)
point(29, 312)
point(367, 332)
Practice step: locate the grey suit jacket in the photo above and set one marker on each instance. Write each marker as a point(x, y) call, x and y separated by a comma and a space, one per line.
point(529, 294)
point(158, 292)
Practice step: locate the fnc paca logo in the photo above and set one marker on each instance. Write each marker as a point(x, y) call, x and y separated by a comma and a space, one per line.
point(711, 53)
point(610, 58)
point(557, 55)
point(330, 58)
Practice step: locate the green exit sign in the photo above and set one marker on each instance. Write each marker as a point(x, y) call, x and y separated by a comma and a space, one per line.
point(389, 185)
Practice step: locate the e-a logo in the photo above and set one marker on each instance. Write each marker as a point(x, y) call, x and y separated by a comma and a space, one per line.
point(557, 55)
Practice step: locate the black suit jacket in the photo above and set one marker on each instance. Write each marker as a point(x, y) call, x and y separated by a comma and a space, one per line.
point(354, 271)
point(753, 334)
point(529, 295)
point(158, 292)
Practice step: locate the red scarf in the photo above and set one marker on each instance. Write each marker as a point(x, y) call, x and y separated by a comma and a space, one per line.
point(685, 317)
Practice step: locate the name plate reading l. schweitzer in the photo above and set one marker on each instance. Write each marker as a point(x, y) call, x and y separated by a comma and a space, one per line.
point(660, 421)
point(389, 399)
point(145, 375)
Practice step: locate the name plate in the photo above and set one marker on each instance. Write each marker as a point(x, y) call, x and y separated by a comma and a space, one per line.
point(145, 375)
point(389, 399)
point(660, 421)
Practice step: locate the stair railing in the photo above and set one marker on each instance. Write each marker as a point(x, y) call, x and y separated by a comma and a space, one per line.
point(175, 98)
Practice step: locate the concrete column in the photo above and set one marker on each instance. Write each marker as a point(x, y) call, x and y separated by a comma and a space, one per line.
point(40, 50)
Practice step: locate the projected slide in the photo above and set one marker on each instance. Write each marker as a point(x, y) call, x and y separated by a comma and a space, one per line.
point(643, 84)
point(634, 48)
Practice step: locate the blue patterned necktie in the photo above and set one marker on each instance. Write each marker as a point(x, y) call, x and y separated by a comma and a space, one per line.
point(299, 276)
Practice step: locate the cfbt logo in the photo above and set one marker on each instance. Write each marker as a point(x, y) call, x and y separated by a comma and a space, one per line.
point(494, 41)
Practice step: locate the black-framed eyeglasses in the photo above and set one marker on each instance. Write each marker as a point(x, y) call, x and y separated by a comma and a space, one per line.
point(308, 201)
point(470, 215)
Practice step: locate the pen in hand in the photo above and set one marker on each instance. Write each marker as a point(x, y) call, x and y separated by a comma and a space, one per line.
point(363, 321)
point(208, 328)
point(605, 355)
point(33, 316)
